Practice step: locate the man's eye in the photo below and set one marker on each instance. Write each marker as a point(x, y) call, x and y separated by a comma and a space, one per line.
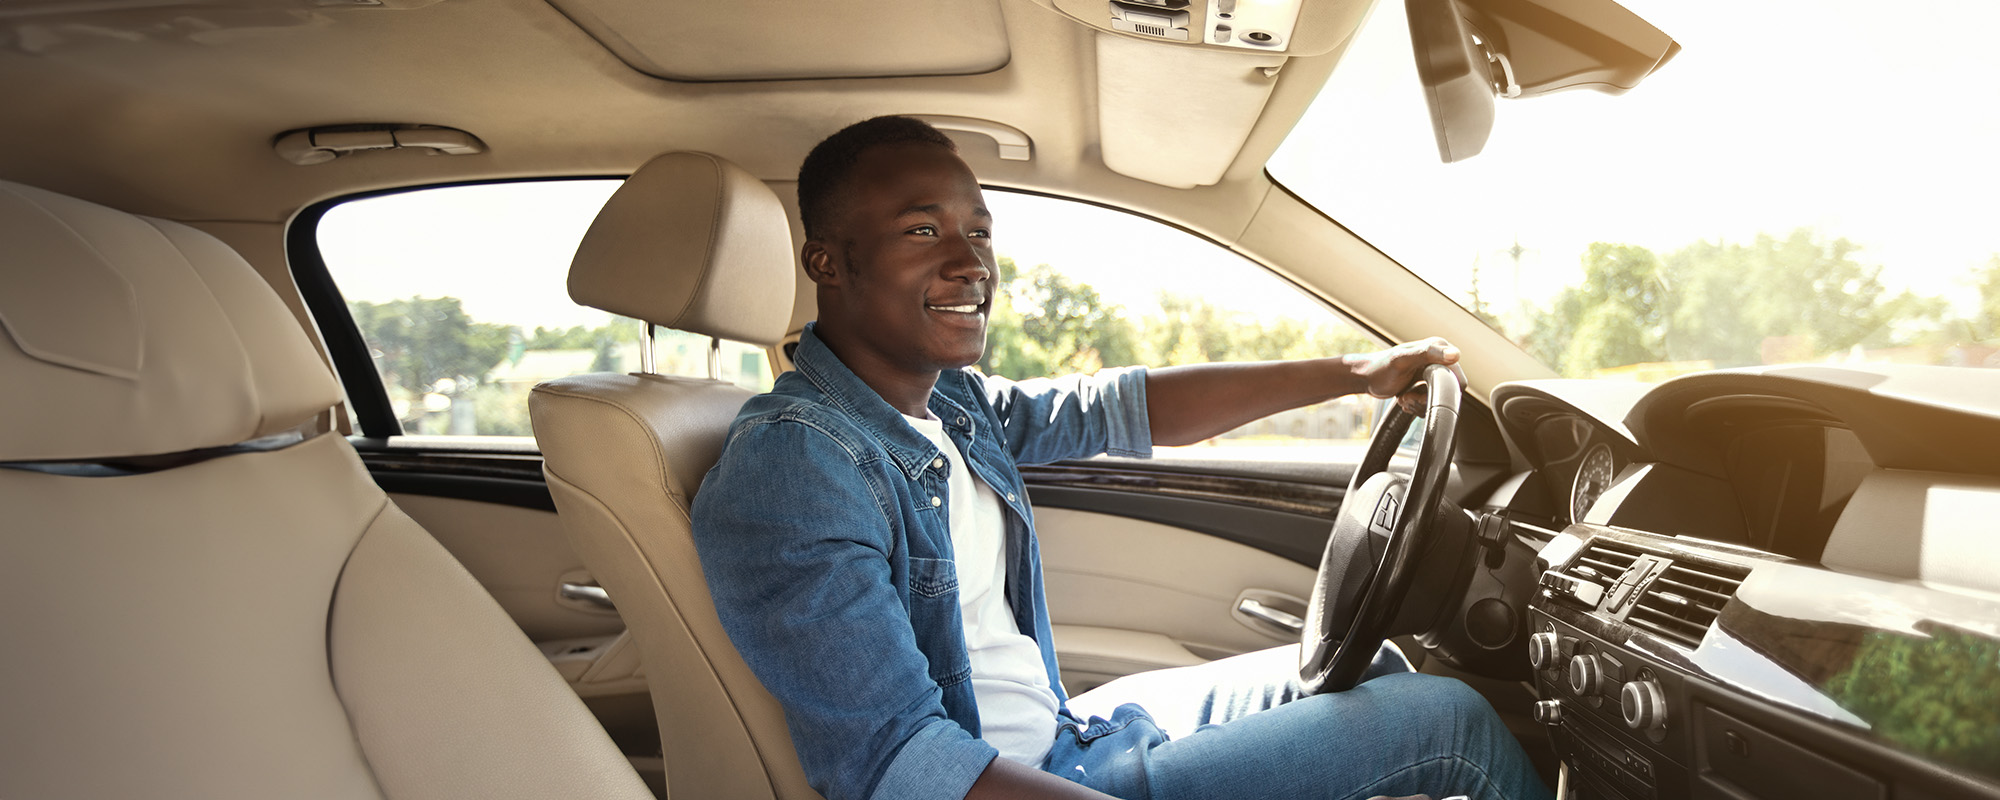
point(924, 230)
point(983, 233)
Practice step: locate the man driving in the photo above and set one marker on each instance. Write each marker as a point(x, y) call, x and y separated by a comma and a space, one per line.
point(870, 548)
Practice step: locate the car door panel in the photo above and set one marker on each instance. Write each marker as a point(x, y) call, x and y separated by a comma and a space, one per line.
point(520, 556)
point(1126, 595)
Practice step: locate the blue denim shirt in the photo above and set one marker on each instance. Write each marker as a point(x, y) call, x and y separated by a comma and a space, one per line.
point(825, 537)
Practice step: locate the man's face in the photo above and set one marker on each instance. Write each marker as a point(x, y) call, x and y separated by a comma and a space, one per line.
point(909, 271)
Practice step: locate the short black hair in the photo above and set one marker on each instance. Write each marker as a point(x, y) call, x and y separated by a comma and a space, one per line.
point(827, 168)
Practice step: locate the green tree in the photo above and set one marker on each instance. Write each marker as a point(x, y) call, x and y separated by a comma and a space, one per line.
point(1985, 322)
point(575, 337)
point(1045, 323)
point(1723, 303)
point(1617, 316)
point(1188, 330)
point(420, 342)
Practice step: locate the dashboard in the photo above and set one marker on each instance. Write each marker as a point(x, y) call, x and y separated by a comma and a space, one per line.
point(1765, 583)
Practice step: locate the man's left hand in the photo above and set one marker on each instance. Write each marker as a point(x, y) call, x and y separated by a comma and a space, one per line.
point(1389, 373)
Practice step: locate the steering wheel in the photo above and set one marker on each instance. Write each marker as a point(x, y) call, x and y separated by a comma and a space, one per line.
point(1385, 524)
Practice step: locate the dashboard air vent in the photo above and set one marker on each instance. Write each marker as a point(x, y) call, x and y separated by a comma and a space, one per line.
point(1603, 562)
point(1684, 600)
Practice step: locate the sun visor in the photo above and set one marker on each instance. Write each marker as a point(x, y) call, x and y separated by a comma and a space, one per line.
point(1186, 136)
point(771, 40)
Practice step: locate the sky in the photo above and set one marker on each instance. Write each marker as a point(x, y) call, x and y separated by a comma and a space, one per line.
point(1873, 121)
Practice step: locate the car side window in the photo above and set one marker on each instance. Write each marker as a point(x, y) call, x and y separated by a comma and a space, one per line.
point(460, 294)
point(1086, 287)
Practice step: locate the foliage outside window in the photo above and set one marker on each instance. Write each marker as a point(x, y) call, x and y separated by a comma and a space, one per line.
point(460, 295)
point(1110, 289)
point(1756, 201)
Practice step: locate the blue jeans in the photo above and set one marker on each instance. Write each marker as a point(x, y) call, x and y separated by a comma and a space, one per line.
point(1239, 728)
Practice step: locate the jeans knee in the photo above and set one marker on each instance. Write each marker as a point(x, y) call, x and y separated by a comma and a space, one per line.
point(1448, 704)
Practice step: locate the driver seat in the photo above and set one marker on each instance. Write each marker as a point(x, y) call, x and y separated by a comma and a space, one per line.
point(204, 592)
point(694, 243)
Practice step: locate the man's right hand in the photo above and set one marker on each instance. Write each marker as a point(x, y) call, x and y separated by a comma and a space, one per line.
point(1006, 780)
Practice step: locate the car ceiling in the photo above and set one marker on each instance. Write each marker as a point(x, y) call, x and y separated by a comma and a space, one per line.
point(170, 108)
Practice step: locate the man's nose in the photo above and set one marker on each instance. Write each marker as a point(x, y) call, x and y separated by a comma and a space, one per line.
point(967, 261)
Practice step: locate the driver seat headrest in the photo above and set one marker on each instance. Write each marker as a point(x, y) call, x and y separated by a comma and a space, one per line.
point(694, 243)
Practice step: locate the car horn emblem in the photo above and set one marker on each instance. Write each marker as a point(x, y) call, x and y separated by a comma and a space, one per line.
point(1385, 514)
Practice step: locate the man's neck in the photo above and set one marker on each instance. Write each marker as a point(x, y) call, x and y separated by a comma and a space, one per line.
point(905, 391)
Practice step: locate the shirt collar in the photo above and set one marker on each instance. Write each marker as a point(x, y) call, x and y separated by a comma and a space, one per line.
point(910, 450)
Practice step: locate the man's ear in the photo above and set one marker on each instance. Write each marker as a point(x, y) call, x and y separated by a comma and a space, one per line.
point(819, 263)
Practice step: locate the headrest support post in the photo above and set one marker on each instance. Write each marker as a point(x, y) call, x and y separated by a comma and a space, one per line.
point(714, 359)
point(646, 365)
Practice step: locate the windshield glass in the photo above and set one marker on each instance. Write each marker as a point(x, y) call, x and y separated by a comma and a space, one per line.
point(1802, 183)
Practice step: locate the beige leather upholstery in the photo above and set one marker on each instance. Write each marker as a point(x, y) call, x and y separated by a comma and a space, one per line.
point(694, 243)
point(128, 336)
point(257, 624)
point(625, 454)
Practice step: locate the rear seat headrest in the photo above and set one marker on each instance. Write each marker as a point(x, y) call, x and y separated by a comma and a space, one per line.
point(130, 336)
point(694, 243)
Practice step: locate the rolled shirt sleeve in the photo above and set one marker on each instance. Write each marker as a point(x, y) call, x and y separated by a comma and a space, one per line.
point(1075, 416)
point(792, 527)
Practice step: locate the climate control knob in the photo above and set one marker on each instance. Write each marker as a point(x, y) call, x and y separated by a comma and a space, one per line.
point(1644, 705)
point(1549, 712)
point(1585, 676)
point(1542, 650)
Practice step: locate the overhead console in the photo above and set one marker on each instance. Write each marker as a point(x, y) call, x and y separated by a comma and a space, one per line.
point(1182, 83)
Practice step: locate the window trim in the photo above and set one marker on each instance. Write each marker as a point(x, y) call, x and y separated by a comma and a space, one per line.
point(345, 346)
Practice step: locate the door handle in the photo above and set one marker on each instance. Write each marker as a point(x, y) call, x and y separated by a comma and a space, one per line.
point(587, 593)
point(1251, 607)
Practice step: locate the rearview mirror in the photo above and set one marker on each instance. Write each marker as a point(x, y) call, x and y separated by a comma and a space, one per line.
point(1470, 51)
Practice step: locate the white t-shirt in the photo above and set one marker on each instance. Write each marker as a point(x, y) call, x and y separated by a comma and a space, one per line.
point(1017, 709)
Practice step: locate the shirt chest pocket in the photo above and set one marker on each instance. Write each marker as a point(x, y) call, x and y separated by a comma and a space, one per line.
point(933, 578)
point(934, 617)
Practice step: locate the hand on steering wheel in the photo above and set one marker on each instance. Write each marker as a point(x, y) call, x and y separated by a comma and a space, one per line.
point(1395, 372)
point(1386, 521)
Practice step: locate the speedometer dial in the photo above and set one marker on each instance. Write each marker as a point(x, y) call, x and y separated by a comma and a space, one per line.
point(1593, 476)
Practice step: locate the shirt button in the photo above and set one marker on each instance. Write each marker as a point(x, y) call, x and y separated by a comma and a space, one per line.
point(936, 501)
point(937, 463)
point(961, 420)
point(1010, 497)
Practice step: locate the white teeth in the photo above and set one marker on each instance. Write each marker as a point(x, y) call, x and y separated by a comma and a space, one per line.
point(959, 309)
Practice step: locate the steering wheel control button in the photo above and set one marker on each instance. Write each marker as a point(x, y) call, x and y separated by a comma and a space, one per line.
point(1542, 650)
point(1643, 705)
point(1549, 712)
point(1584, 675)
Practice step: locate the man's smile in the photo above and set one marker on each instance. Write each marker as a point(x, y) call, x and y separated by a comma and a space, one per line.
point(970, 306)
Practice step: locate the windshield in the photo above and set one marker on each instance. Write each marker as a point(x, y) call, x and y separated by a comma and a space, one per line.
point(1802, 183)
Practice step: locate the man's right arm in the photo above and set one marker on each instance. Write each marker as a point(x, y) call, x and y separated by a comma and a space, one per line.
point(796, 545)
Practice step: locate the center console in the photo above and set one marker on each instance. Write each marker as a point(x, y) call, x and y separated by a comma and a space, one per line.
point(1670, 667)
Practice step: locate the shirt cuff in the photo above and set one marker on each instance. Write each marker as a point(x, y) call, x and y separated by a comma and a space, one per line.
point(1130, 431)
point(939, 761)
